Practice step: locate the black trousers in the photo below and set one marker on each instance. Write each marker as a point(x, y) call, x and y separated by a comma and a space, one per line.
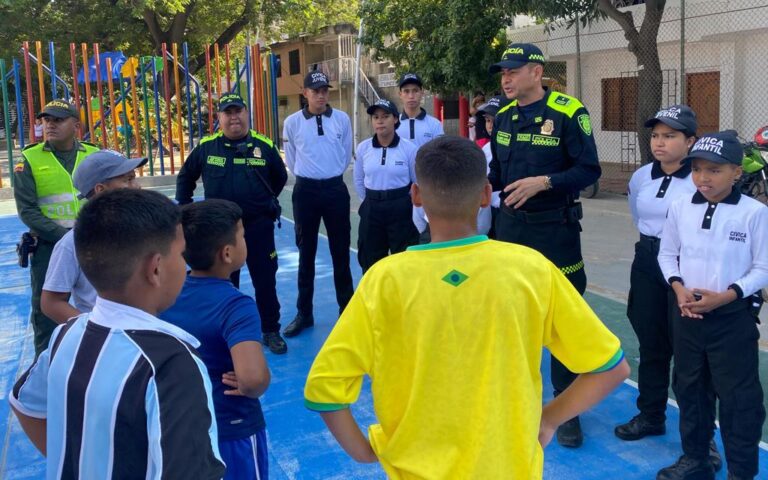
point(561, 244)
point(262, 265)
point(651, 308)
point(721, 349)
point(42, 326)
point(386, 226)
point(326, 200)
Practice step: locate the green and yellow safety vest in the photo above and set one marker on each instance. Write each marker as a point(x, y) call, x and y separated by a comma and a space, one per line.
point(56, 194)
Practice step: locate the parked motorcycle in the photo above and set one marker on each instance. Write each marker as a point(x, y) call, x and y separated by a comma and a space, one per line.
point(754, 180)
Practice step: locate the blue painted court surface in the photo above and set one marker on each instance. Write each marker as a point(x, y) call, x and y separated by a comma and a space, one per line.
point(300, 446)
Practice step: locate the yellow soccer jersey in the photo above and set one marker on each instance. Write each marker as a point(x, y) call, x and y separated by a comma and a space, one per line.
point(451, 335)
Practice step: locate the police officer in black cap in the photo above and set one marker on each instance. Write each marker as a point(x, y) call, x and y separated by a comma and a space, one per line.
point(242, 166)
point(47, 200)
point(543, 155)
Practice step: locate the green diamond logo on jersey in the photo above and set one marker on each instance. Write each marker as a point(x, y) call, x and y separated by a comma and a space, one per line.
point(455, 278)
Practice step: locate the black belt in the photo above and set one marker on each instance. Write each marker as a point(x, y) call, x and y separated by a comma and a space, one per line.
point(569, 214)
point(323, 182)
point(388, 194)
point(652, 240)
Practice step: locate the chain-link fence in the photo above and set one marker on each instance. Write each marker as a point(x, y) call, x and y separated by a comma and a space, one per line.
point(710, 55)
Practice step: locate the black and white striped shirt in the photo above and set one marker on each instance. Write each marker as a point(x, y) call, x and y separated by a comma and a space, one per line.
point(125, 395)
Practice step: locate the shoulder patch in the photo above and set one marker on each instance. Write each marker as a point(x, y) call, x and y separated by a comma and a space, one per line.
point(18, 168)
point(585, 123)
point(506, 107)
point(563, 103)
point(210, 137)
point(263, 138)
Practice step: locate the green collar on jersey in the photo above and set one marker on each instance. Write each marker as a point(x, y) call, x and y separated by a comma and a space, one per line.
point(450, 243)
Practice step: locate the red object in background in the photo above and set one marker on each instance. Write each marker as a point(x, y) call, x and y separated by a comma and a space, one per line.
point(761, 137)
point(463, 116)
point(437, 108)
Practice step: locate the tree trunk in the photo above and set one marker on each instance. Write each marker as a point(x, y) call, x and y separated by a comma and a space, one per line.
point(643, 46)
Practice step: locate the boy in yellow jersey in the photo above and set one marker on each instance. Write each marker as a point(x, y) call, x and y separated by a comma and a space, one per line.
point(454, 359)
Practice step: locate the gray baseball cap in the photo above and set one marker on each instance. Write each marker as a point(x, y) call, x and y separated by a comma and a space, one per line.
point(101, 166)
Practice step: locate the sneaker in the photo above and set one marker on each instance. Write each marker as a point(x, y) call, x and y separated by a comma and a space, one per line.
point(638, 428)
point(569, 434)
point(714, 457)
point(687, 468)
point(275, 342)
point(298, 324)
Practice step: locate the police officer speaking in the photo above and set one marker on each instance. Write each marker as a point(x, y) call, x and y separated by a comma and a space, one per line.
point(46, 199)
point(543, 155)
point(242, 166)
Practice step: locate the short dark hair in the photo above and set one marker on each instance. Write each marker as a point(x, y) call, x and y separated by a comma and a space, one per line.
point(208, 226)
point(117, 229)
point(451, 172)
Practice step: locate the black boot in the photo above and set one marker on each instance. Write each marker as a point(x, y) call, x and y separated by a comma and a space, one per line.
point(298, 324)
point(638, 428)
point(687, 468)
point(274, 342)
point(569, 434)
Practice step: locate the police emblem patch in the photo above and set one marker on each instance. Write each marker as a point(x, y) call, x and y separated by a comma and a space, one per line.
point(257, 152)
point(548, 127)
point(585, 123)
point(19, 167)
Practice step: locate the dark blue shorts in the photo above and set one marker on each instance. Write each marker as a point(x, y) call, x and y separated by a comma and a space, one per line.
point(246, 458)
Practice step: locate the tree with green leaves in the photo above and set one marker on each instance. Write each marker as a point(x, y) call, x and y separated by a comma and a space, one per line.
point(452, 42)
point(139, 27)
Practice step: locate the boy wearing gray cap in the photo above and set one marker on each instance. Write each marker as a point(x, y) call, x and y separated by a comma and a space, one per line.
point(99, 172)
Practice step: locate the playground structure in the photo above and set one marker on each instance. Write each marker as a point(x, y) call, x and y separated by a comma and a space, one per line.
point(142, 106)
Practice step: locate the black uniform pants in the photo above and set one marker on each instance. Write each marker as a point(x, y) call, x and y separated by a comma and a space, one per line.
point(386, 225)
point(326, 200)
point(651, 308)
point(262, 265)
point(560, 242)
point(722, 349)
point(42, 326)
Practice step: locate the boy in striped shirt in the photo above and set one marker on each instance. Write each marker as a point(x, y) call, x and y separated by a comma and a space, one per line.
point(119, 393)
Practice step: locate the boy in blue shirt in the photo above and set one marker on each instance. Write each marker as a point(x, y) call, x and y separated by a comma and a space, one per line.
point(226, 321)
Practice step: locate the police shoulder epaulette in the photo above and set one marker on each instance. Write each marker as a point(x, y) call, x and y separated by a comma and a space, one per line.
point(564, 103)
point(506, 107)
point(89, 144)
point(261, 137)
point(31, 145)
point(208, 138)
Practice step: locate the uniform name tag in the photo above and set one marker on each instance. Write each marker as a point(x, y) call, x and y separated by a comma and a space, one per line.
point(256, 162)
point(503, 138)
point(238, 161)
point(545, 141)
point(217, 161)
point(523, 137)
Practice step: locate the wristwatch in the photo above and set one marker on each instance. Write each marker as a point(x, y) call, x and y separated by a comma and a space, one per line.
point(547, 183)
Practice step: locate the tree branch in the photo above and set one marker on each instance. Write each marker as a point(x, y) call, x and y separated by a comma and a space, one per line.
point(228, 34)
point(150, 19)
point(625, 20)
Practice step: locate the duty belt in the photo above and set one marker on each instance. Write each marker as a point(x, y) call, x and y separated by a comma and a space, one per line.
point(569, 214)
point(323, 182)
point(650, 239)
point(388, 194)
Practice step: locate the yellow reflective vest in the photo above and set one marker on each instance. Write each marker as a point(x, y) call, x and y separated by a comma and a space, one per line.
point(56, 194)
